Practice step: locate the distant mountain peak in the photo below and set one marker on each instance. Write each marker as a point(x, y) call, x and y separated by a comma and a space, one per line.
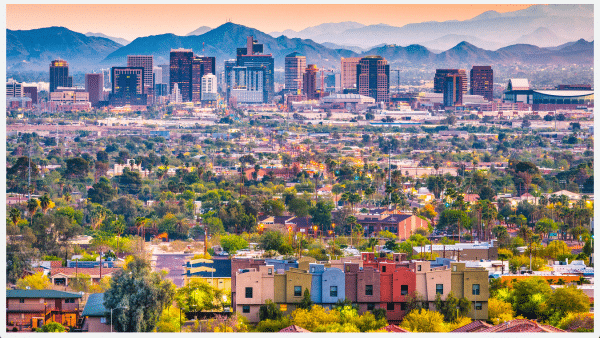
point(199, 31)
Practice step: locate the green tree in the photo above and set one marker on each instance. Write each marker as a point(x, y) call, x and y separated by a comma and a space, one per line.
point(101, 192)
point(565, 300)
point(299, 207)
point(423, 321)
point(544, 226)
point(271, 240)
point(52, 327)
point(77, 167)
point(37, 281)
point(15, 215)
point(273, 207)
point(232, 243)
point(130, 181)
point(199, 296)
point(529, 295)
point(499, 311)
point(269, 310)
point(321, 214)
point(137, 297)
point(306, 303)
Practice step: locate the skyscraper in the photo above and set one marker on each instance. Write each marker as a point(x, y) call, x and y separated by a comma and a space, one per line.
point(146, 62)
point(181, 72)
point(295, 64)
point(209, 87)
point(201, 65)
point(250, 57)
point(32, 93)
point(94, 85)
point(247, 84)
point(59, 75)
point(440, 78)
point(229, 64)
point(14, 88)
point(310, 82)
point(373, 78)
point(453, 93)
point(348, 76)
point(127, 86)
point(482, 81)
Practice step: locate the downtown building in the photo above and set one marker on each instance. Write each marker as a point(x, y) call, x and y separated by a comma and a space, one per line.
point(295, 65)
point(453, 90)
point(482, 82)
point(187, 70)
point(440, 78)
point(59, 75)
point(201, 66)
point(127, 87)
point(309, 83)
point(373, 78)
point(253, 72)
point(348, 73)
point(94, 85)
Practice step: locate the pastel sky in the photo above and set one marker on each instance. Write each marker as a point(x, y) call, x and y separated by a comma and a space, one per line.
point(135, 20)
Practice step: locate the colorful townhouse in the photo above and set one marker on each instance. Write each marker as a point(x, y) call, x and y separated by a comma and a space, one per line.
point(328, 285)
point(254, 287)
point(289, 288)
point(473, 284)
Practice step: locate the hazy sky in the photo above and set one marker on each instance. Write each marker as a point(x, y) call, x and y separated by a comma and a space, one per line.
point(131, 21)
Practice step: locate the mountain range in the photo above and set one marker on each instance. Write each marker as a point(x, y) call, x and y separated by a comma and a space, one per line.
point(120, 41)
point(34, 49)
point(494, 29)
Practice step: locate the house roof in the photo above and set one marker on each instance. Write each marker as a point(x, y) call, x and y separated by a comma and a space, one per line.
point(394, 328)
point(293, 328)
point(475, 326)
point(521, 325)
point(87, 271)
point(94, 307)
point(222, 269)
point(40, 294)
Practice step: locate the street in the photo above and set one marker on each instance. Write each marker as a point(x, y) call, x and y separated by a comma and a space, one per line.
point(174, 264)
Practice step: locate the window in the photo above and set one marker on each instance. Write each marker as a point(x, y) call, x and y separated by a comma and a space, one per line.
point(368, 290)
point(478, 306)
point(270, 271)
point(246, 309)
point(418, 268)
point(297, 291)
point(333, 291)
point(454, 268)
point(70, 300)
point(402, 306)
point(403, 290)
point(21, 300)
point(476, 289)
point(383, 268)
point(248, 292)
point(439, 288)
point(390, 306)
point(347, 268)
point(370, 306)
point(103, 320)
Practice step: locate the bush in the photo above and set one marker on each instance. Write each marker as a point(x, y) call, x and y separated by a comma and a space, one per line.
point(423, 321)
point(577, 322)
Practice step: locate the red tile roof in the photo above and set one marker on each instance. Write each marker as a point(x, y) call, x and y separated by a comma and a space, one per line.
point(293, 328)
point(475, 326)
point(521, 325)
point(394, 328)
point(87, 271)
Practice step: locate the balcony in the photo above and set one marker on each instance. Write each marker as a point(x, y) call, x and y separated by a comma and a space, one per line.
point(12, 308)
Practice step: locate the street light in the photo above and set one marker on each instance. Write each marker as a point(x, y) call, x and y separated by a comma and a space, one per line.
point(111, 316)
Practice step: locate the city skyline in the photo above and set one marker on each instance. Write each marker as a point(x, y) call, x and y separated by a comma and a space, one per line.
point(118, 21)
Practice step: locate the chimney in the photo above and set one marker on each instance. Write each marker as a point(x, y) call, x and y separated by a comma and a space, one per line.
point(249, 45)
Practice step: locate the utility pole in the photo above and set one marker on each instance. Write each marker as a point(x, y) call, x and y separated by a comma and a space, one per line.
point(29, 178)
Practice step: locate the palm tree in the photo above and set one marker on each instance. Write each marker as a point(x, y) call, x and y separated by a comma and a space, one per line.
point(15, 215)
point(32, 206)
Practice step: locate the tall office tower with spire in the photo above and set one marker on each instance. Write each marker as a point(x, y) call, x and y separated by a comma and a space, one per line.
point(482, 82)
point(295, 65)
point(181, 72)
point(59, 75)
point(373, 78)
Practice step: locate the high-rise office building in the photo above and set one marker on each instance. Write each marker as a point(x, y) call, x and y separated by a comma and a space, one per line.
point(14, 88)
point(247, 84)
point(348, 76)
point(32, 93)
point(453, 93)
point(440, 78)
point(229, 64)
point(181, 72)
point(165, 74)
point(295, 64)
point(373, 78)
point(309, 82)
point(209, 87)
point(59, 75)
point(127, 86)
point(201, 65)
point(94, 85)
point(250, 57)
point(146, 62)
point(482, 82)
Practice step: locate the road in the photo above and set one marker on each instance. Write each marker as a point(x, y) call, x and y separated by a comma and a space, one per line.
point(174, 264)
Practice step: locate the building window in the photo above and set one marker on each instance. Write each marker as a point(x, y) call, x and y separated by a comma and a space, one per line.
point(476, 289)
point(383, 268)
point(439, 289)
point(390, 306)
point(478, 306)
point(454, 268)
point(402, 306)
point(248, 292)
point(418, 268)
point(21, 300)
point(297, 291)
point(246, 309)
point(368, 290)
point(270, 271)
point(370, 306)
point(103, 320)
point(404, 290)
point(333, 291)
